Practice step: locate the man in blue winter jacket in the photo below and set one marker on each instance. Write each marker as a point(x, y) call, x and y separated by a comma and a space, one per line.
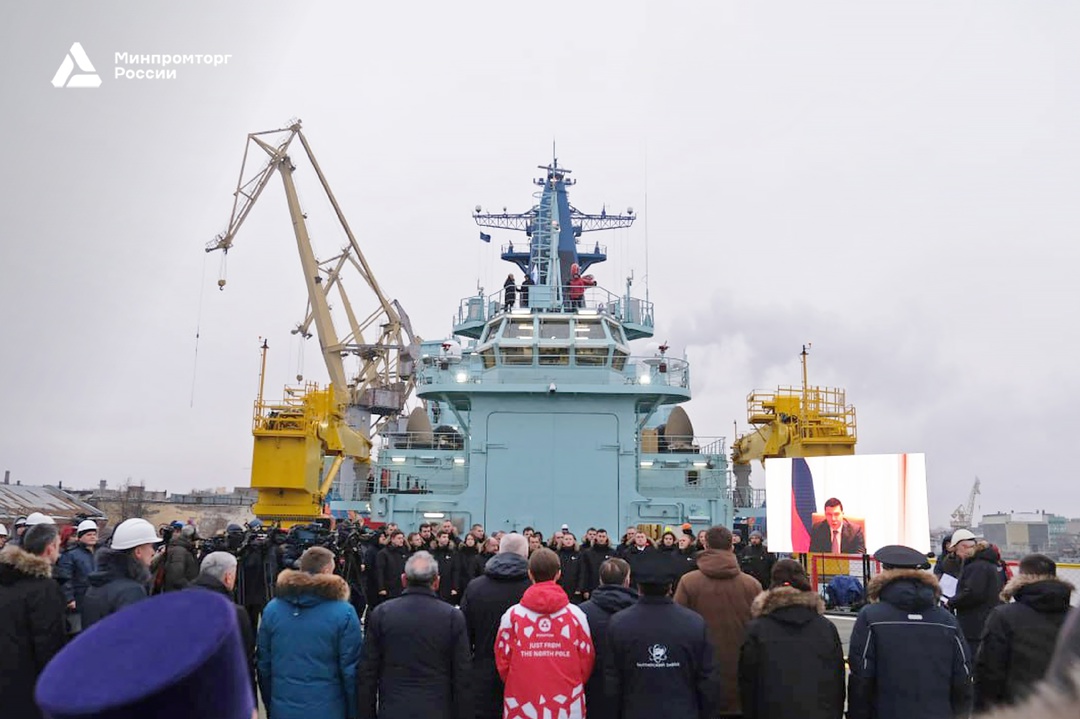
point(907, 655)
point(309, 643)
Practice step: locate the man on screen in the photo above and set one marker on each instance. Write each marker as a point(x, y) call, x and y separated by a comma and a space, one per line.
point(836, 535)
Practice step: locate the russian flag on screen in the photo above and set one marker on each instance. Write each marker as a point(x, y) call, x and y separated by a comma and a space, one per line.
point(803, 504)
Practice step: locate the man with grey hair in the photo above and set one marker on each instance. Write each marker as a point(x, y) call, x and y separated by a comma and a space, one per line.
point(218, 574)
point(407, 670)
point(503, 583)
point(32, 608)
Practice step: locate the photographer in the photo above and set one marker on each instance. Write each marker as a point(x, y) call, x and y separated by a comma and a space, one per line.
point(258, 564)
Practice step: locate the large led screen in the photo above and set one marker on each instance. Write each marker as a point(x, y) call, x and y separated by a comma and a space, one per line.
point(847, 505)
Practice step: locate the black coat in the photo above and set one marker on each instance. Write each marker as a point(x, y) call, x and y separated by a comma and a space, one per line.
point(73, 572)
point(477, 565)
point(181, 567)
point(570, 565)
point(659, 662)
point(447, 560)
point(1066, 659)
point(606, 600)
point(119, 581)
point(463, 561)
point(591, 559)
point(907, 656)
point(259, 565)
point(506, 577)
point(758, 562)
point(977, 592)
point(1018, 639)
point(949, 564)
point(205, 582)
point(389, 566)
point(415, 660)
point(32, 628)
point(791, 665)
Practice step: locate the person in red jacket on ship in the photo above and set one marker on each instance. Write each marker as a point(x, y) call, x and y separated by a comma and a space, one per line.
point(544, 652)
point(578, 283)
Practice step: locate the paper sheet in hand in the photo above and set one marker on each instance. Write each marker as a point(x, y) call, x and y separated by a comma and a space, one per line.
point(948, 585)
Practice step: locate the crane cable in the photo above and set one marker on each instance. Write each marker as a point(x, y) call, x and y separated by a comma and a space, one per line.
point(198, 325)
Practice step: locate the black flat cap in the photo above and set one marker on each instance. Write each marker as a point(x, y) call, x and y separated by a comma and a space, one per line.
point(653, 568)
point(897, 556)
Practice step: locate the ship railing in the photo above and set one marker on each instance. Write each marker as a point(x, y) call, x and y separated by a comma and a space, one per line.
point(701, 452)
point(748, 497)
point(822, 412)
point(440, 439)
point(478, 309)
point(427, 472)
point(293, 414)
point(522, 250)
point(613, 368)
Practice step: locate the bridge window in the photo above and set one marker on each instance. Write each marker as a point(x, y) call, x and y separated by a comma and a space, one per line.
point(618, 362)
point(554, 355)
point(516, 356)
point(488, 356)
point(616, 333)
point(518, 329)
point(590, 356)
point(588, 330)
point(555, 329)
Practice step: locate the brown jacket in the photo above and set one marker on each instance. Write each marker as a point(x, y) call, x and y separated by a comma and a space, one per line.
point(722, 594)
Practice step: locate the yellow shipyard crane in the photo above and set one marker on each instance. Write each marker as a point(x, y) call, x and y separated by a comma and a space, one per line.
point(296, 436)
point(802, 421)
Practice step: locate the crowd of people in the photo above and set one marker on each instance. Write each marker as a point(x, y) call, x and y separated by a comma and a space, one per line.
point(514, 625)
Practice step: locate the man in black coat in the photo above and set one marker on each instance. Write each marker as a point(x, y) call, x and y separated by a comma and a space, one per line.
point(32, 625)
point(757, 561)
point(591, 559)
point(907, 656)
point(217, 574)
point(123, 571)
point(570, 563)
point(416, 653)
point(505, 579)
point(613, 595)
point(791, 664)
point(659, 659)
point(1018, 638)
point(977, 590)
point(390, 565)
point(447, 558)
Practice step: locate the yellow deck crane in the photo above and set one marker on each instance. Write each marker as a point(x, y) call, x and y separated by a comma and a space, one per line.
point(792, 422)
point(295, 437)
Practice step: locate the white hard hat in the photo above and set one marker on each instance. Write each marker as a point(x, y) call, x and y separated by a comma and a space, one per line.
point(132, 533)
point(3, 531)
point(960, 535)
point(87, 525)
point(35, 518)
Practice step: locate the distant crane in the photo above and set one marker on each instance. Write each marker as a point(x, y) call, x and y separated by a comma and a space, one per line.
point(964, 516)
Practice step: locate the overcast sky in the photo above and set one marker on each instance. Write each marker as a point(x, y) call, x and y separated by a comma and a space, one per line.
point(896, 183)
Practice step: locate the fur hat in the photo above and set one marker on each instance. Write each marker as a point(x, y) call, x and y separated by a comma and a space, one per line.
point(122, 674)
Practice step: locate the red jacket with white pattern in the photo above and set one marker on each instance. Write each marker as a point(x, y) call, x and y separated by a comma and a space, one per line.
point(545, 655)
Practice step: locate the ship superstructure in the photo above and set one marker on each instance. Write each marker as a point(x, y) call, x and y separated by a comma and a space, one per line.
point(537, 412)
